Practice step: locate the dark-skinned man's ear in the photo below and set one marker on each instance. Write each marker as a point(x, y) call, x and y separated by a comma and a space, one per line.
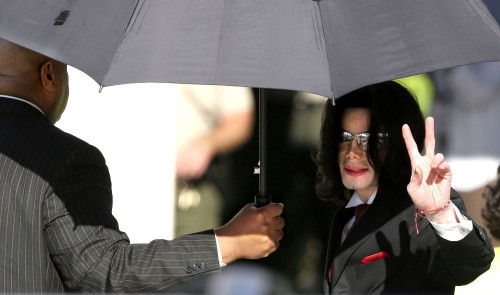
point(47, 75)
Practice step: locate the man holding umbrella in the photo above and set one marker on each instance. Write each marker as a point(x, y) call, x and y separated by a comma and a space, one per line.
point(56, 225)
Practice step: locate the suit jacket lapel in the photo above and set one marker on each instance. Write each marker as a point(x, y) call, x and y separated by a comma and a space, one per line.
point(339, 220)
point(383, 209)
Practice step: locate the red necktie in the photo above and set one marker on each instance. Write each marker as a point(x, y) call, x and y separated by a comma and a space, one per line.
point(359, 211)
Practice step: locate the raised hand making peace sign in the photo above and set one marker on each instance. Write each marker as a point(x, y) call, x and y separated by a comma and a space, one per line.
point(430, 184)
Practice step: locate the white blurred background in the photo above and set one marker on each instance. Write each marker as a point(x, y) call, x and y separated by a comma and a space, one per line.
point(134, 127)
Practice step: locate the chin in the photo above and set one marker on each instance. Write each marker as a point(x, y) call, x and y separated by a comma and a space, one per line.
point(357, 184)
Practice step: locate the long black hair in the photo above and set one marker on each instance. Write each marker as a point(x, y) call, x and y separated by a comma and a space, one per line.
point(391, 105)
point(491, 212)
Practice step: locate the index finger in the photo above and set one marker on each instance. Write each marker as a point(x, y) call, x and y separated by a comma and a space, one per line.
point(273, 209)
point(411, 145)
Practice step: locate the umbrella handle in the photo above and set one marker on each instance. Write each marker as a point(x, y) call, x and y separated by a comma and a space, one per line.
point(261, 201)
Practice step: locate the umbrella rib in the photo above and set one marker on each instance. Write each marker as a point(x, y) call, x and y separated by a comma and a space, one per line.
point(133, 17)
point(327, 51)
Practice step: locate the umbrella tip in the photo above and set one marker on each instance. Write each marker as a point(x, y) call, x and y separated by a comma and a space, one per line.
point(100, 88)
point(333, 101)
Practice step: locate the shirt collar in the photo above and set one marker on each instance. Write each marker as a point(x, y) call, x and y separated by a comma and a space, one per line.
point(356, 199)
point(25, 101)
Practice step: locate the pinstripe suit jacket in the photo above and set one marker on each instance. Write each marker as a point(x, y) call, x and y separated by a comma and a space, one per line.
point(384, 254)
point(56, 227)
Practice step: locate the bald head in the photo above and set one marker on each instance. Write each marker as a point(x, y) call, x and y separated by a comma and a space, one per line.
point(34, 77)
point(16, 61)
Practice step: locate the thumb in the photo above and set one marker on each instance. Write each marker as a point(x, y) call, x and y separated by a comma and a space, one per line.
point(415, 180)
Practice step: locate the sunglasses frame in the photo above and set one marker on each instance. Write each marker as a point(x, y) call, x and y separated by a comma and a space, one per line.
point(361, 138)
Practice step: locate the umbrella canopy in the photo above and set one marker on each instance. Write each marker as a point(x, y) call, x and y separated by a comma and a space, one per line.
point(320, 46)
point(324, 47)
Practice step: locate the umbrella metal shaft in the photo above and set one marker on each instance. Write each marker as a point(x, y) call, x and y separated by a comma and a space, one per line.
point(262, 198)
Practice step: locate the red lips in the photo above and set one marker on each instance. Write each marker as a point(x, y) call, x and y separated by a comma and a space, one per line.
point(355, 170)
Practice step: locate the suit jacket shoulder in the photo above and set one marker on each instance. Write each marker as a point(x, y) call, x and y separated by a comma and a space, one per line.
point(56, 199)
point(384, 251)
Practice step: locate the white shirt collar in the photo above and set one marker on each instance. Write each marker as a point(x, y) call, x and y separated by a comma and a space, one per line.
point(23, 100)
point(356, 199)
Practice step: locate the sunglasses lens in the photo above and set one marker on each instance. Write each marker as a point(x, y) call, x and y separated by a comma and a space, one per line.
point(346, 137)
point(363, 138)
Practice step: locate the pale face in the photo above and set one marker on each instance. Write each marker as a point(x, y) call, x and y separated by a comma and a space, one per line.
point(355, 169)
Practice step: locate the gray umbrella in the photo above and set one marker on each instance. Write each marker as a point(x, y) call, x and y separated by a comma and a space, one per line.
point(325, 47)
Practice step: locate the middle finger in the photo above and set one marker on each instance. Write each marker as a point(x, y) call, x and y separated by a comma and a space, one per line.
point(430, 141)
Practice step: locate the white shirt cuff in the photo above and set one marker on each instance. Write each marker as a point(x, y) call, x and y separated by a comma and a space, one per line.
point(453, 231)
point(221, 264)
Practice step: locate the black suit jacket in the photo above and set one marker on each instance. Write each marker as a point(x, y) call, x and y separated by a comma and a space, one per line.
point(384, 254)
point(56, 227)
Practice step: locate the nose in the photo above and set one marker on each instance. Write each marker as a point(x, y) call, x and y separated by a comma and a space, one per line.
point(354, 149)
